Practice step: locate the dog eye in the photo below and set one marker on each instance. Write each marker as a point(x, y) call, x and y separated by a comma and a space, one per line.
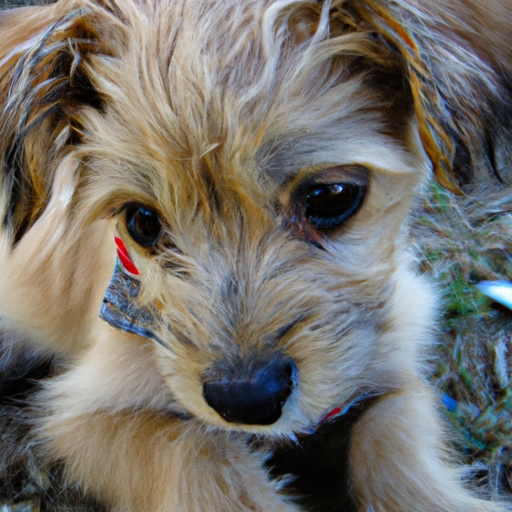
point(328, 205)
point(143, 224)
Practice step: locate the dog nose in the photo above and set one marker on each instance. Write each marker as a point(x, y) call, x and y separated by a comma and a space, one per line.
point(255, 400)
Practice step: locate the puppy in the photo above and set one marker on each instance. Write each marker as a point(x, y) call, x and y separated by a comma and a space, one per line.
point(203, 209)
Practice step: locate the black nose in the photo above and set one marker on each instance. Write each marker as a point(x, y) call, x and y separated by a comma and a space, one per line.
point(256, 399)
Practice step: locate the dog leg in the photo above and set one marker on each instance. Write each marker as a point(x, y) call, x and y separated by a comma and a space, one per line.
point(135, 456)
point(148, 462)
point(398, 463)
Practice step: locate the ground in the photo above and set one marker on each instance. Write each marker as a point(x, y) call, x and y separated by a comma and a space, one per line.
point(460, 242)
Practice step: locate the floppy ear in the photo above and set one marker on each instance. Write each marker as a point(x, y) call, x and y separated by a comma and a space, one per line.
point(459, 66)
point(467, 46)
point(44, 86)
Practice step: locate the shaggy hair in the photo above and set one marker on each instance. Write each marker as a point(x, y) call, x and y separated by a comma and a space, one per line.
point(221, 121)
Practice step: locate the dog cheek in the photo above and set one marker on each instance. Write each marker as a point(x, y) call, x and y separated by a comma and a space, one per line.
point(406, 335)
point(47, 289)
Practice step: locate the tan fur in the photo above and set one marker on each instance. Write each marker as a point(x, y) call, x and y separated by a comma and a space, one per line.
point(214, 113)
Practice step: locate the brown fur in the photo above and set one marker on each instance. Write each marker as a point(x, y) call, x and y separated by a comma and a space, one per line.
point(215, 113)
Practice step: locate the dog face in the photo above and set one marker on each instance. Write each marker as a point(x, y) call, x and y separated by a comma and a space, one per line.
point(258, 173)
point(271, 301)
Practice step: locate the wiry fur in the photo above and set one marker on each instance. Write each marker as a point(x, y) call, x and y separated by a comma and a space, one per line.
point(214, 113)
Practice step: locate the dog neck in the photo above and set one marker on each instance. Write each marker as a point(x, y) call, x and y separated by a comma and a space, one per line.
point(319, 461)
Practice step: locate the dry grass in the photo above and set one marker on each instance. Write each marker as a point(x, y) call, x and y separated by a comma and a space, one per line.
point(459, 242)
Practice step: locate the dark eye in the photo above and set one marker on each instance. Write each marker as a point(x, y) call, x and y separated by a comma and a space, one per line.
point(143, 224)
point(328, 205)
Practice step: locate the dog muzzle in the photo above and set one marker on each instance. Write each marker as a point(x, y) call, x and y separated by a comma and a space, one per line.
point(123, 309)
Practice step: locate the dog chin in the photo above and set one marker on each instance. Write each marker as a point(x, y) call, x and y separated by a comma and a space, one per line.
point(287, 427)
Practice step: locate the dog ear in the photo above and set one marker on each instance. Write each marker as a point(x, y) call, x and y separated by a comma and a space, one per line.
point(460, 70)
point(44, 84)
point(460, 67)
point(468, 47)
point(457, 62)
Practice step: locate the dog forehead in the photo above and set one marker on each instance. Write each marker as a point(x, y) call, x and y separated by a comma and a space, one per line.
point(231, 85)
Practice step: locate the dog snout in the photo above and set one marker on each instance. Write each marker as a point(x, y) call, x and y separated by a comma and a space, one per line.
point(257, 399)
